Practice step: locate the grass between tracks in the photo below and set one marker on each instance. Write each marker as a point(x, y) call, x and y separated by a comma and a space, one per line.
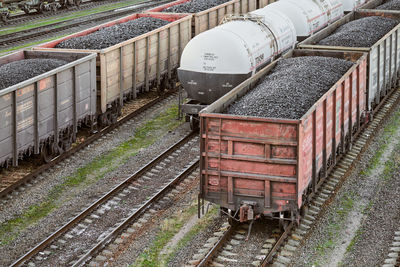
point(8, 51)
point(144, 136)
point(77, 14)
point(152, 256)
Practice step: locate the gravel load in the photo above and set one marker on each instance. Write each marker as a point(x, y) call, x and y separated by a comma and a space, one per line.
point(194, 6)
point(19, 71)
point(390, 5)
point(362, 32)
point(292, 87)
point(109, 36)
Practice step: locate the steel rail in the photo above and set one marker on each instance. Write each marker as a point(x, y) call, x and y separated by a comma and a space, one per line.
point(82, 145)
point(8, 39)
point(220, 243)
point(100, 201)
point(97, 248)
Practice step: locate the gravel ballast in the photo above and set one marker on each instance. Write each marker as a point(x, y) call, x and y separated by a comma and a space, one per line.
point(194, 6)
point(22, 70)
point(390, 5)
point(109, 36)
point(292, 87)
point(363, 32)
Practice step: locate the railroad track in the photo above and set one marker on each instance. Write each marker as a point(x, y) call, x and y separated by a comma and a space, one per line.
point(393, 257)
point(66, 27)
point(328, 187)
point(279, 247)
point(24, 18)
point(220, 250)
point(79, 240)
point(8, 186)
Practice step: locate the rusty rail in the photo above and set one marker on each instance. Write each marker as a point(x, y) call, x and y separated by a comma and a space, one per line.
point(97, 248)
point(214, 250)
point(77, 148)
point(24, 35)
point(106, 197)
point(277, 245)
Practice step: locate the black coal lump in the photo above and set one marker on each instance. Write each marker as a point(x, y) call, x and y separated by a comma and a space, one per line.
point(194, 6)
point(21, 70)
point(363, 32)
point(293, 86)
point(390, 5)
point(109, 36)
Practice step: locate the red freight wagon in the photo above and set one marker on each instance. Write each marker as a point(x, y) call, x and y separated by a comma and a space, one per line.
point(268, 166)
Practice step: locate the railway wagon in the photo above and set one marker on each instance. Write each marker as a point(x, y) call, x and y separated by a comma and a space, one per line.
point(134, 65)
point(256, 165)
point(41, 115)
point(383, 66)
point(210, 18)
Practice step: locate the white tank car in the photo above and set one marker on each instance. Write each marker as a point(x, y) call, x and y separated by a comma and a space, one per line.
point(333, 8)
point(350, 5)
point(308, 16)
point(216, 61)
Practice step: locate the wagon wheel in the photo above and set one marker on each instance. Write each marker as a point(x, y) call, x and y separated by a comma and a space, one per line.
point(4, 17)
point(77, 3)
point(47, 153)
point(42, 8)
point(194, 123)
point(53, 8)
point(25, 9)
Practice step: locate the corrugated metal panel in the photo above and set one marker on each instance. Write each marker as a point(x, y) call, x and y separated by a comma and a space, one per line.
point(27, 109)
point(269, 161)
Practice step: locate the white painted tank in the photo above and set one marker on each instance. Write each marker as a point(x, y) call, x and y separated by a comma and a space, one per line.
point(216, 61)
point(350, 5)
point(306, 15)
point(333, 9)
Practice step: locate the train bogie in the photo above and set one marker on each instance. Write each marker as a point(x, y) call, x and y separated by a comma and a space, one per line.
point(41, 115)
point(270, 165)
point(135, 65)
point(383, 56)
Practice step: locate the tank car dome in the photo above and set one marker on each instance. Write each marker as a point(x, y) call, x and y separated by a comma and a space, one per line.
point(307, 16)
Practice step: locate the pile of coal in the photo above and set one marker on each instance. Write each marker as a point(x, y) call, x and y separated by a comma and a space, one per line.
point(363, 32)
point(22, 70)
point(194, 6)
point(109, 36)
point(390, 5)
point(292, 87)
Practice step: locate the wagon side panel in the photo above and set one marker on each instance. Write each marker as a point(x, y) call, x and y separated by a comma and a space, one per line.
point(210, 18)
point(249, 160)
point(6, 146)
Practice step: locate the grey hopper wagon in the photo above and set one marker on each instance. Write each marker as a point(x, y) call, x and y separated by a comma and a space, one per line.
point(383, 67)
point(41, 115)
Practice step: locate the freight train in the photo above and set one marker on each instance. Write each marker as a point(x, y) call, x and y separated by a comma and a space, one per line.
point(40, 6)
point(256, 166)
point(119, 73)
point(216, 61)
point(122, 71)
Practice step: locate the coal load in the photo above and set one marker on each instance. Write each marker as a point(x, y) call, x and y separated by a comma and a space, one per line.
point(292, 87)
point(19, 71)
point(194, 6)
point(390, 5)
point(363, 32)
point(109, 36)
